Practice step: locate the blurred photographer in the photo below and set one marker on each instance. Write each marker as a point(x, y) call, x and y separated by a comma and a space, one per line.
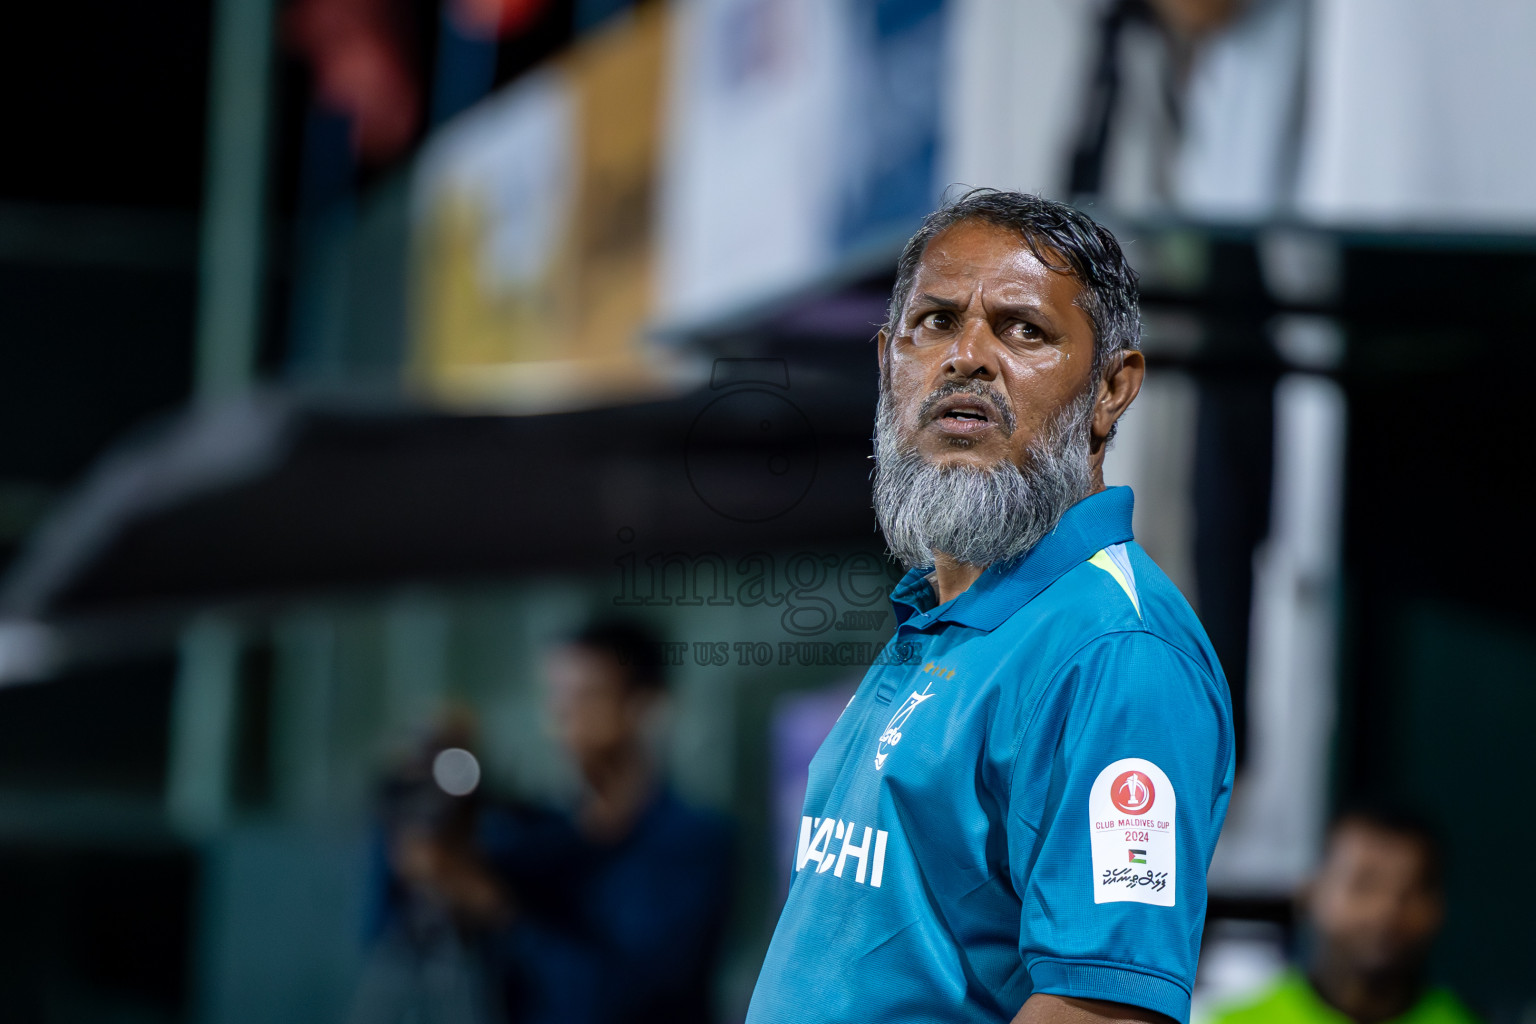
point(609, 911)
point(433, 902)
point(1373, 911)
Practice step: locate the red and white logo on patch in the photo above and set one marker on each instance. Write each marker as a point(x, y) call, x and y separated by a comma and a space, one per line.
point(1132, 792)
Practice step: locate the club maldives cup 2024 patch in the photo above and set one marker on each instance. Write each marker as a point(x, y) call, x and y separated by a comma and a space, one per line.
point(1131, 817)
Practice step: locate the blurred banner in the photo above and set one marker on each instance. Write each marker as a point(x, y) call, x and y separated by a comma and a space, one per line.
point(534, 231)
point(751, 121)
point(889, 127)
point(803, 136)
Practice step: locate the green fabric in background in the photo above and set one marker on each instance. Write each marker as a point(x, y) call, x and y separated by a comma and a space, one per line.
point(1294, 1001)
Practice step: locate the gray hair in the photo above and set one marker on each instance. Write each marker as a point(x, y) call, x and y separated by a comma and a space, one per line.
point(1054, 232)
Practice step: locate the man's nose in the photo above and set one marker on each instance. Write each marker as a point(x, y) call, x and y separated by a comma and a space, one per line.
point(974, 353)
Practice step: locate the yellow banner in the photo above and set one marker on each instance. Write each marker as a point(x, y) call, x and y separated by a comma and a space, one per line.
point(534, 232)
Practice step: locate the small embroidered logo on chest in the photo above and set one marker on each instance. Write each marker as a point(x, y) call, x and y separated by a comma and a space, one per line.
point(893, 729)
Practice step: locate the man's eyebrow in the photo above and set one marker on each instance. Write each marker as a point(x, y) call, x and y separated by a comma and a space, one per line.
point(1031, 308)
point(929, 299)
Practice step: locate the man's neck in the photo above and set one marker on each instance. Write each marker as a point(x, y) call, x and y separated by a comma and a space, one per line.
point(618, 788)
point(1367, 999)
point(951, 578)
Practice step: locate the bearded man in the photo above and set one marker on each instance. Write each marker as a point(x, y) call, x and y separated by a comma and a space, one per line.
point(1014, 824)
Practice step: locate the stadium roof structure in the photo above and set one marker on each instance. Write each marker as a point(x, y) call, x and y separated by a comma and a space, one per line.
point(277, 495)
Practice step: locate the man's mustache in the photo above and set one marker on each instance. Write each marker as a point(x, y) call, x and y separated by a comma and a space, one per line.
point(975, 388)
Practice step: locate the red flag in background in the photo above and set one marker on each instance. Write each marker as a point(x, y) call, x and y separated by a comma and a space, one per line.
point(495, 19)
point(360, 54)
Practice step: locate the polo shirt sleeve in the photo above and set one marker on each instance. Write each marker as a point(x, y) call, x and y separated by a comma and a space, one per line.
point(1118, 791)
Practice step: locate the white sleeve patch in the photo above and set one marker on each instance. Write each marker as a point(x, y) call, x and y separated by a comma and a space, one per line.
point(1131, 811)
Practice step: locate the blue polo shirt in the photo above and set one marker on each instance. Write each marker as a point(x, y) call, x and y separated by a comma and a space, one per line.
point(1022, 796)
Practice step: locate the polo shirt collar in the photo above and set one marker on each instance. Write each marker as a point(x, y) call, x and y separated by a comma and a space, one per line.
point(1096, 522)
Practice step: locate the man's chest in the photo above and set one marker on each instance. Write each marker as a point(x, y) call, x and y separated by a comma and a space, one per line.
point(923, 750)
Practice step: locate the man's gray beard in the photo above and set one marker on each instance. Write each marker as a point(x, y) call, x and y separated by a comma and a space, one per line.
point(978, 516)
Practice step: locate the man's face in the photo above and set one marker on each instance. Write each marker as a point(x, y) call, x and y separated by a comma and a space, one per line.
point(984, 311)
point(1373, 904)
point(591, 708)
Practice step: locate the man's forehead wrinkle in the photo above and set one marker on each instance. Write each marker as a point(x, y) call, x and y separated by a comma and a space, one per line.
point(989, 292)
point(967, 233)
point(1020, 267)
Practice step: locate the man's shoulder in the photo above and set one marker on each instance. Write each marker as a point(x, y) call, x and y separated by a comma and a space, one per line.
point(1111, 591)
point(1093, 600)
point(1167, 614)
point(1119, 597)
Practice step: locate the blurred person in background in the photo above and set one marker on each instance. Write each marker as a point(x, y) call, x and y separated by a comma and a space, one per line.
point(1373, 910)
point(1192, 105)
point(609, 912)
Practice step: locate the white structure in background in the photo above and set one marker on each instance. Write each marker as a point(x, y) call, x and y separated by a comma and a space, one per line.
point(768, 132)
point(1235, 160)
point(1419, 114)
point(1154, 454)
point(1239, 960)
point(1275, 824)
point(1012, 107)
point(747, 183)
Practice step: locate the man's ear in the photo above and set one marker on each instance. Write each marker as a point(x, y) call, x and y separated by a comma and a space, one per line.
point(880, 340)
point(1119, 388)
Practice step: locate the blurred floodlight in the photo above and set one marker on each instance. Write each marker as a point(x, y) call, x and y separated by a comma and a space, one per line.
point(1309, 342)
point(456, 771)
point(1301, 267)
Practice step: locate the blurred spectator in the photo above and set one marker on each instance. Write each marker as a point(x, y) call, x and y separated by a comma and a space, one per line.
point(1352, 112)
point(611, 912)
point(1193, 105)
point(1373, 909)
point(1195, 18)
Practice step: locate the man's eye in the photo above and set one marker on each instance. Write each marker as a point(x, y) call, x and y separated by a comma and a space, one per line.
point(1024, 329)
point(937, 320)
